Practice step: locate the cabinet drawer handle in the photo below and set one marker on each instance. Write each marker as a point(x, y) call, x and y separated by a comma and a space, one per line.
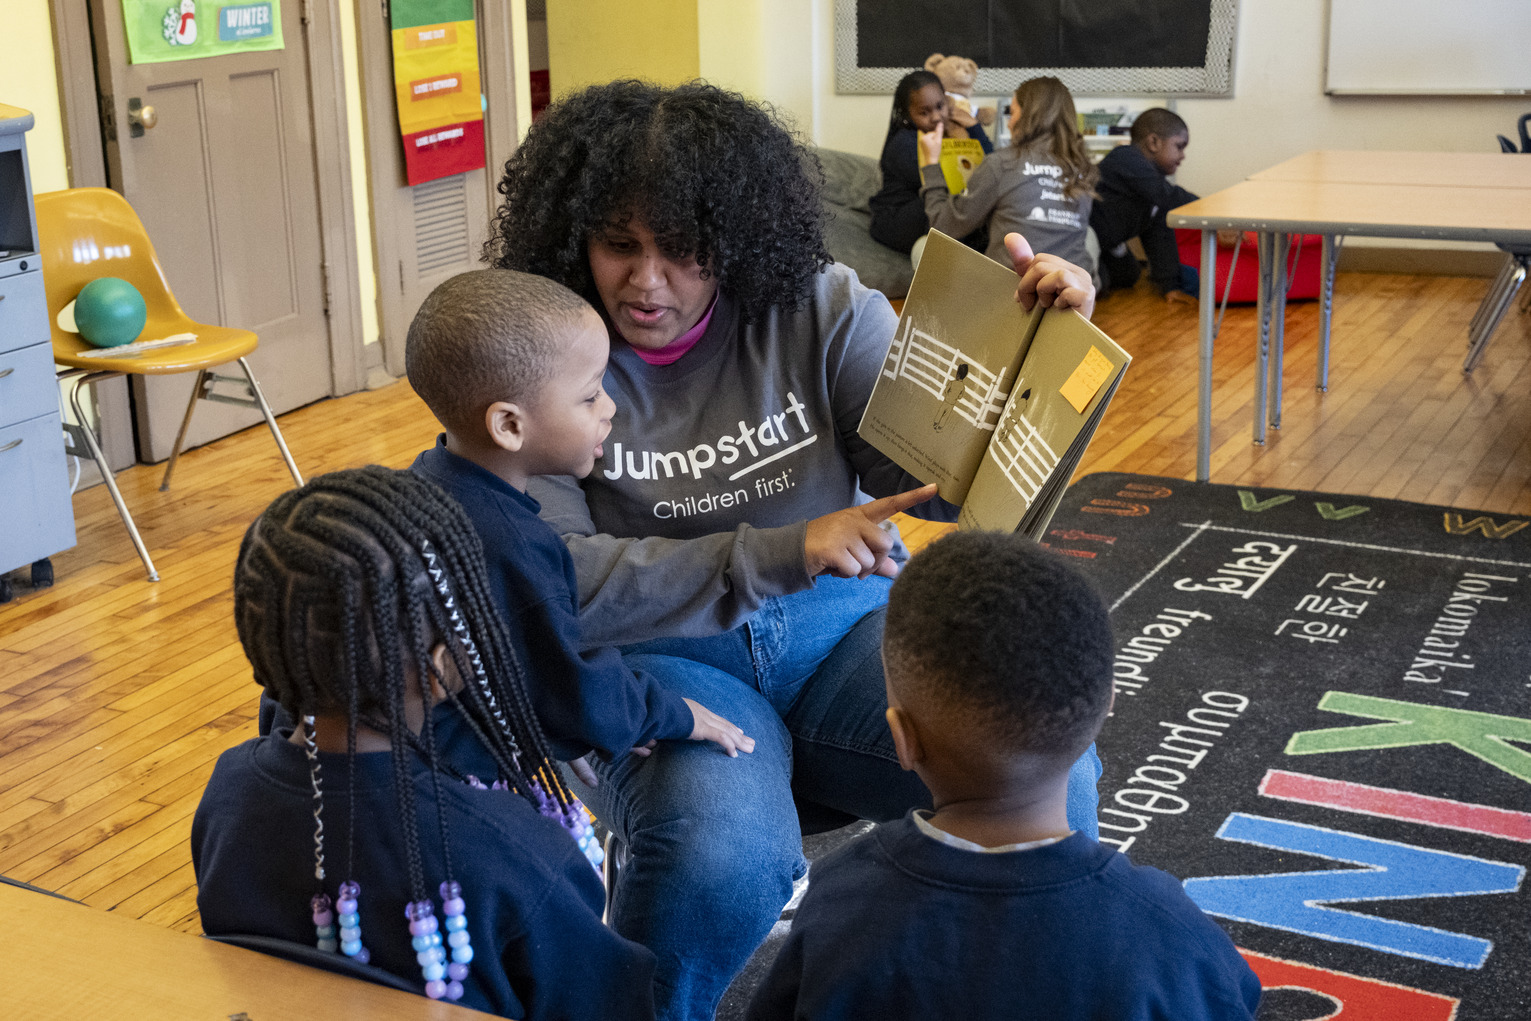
point(12, 445)
point(6, 372)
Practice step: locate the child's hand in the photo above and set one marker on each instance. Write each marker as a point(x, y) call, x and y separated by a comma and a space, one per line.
point(1056, 282)
point(930, 145)
point(586, 775)
point(851, 544)
point(1179, 297)
point(709, 726)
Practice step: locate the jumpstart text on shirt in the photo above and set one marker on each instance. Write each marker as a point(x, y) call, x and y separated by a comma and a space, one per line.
point(759, 443)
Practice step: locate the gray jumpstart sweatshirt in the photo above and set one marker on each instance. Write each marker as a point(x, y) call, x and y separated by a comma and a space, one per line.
point(1013, 190)
point(697, 510)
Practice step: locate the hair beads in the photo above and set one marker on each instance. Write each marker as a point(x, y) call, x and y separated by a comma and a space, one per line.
point(324, 922)
point(457, 937)
point(349, 920)
point(427, 943)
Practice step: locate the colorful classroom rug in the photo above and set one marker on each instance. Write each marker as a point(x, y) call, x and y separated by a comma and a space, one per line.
point(1323, 727)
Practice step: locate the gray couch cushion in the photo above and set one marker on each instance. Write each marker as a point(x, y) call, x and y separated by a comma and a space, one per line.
point(850, 181)
point(850, 178)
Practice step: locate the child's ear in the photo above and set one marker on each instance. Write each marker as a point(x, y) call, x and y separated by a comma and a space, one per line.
point(506, 424)
point(443, 664)
point(906, 737)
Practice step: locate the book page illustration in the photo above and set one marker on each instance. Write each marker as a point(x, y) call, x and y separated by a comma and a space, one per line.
point(1062, 389)
point(963, 384)
point(1022, 452)
point(949, 368)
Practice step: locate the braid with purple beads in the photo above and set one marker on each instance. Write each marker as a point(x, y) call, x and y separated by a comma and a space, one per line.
point(342, 585)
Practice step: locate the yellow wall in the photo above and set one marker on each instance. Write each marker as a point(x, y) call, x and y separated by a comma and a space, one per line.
point(361, 197)
point(28, 80)
point(593, 41)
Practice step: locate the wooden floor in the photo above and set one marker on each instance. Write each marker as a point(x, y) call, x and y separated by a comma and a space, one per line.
point(116, 695)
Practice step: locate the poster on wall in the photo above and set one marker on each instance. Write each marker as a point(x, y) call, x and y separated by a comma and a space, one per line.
point(162, 30)
point(435, 73)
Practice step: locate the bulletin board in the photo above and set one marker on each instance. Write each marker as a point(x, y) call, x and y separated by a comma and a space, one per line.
point(1100, 47)
point(437, 87)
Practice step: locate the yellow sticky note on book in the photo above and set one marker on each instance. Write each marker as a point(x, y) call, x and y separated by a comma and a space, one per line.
point(1086, 379)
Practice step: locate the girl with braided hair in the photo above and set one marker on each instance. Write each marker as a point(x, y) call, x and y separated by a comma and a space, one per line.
point(362, 604)
point(730, 539)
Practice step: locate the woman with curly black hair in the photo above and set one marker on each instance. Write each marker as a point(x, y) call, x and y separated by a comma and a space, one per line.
point(727, 539)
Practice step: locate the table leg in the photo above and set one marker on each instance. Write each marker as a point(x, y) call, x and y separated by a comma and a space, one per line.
point(1204, 389)
point(1264, 246)
point(1283, 245)
point(1325, 308)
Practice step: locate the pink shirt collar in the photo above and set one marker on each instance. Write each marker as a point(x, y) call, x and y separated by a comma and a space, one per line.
point(673, 351)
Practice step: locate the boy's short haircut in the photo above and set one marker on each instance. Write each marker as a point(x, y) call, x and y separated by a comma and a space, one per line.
point(484, 336)
point(1005, 637)
point(1157, 120)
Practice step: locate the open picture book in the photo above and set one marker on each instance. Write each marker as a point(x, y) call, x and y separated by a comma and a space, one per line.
point(992, 403)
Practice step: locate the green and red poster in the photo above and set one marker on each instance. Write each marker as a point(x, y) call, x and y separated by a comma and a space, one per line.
point(435, 73)
point(161, 30)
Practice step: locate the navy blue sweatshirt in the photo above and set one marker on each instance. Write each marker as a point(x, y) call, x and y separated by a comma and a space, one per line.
point(1134, 197)
point(584, 698)
point(899, 925)
point(533, 901)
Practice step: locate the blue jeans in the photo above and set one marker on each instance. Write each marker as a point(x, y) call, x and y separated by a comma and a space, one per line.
point(713, 842)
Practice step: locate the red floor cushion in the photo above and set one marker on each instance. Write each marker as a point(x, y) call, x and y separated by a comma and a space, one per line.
point(1302, 265)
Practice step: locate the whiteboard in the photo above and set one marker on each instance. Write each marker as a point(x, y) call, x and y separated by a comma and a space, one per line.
point(1429, 47)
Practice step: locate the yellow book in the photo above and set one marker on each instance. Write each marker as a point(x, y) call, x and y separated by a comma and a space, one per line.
point(959, 158)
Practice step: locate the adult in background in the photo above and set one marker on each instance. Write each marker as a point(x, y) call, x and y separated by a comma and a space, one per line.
point(728, 539)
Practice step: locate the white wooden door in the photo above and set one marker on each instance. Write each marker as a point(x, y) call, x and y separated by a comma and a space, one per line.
point(225, 184)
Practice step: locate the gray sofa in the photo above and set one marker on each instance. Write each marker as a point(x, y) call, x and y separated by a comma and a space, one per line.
point(850, 181)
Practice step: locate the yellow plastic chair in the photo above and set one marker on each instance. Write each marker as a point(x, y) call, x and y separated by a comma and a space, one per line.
point(87, 233)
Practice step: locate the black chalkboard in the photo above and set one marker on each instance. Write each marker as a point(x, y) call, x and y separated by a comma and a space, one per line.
point(1035, 33)
point(1165, 47)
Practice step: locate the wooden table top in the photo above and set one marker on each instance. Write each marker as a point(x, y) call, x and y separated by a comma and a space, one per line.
point(1438, 169)
point(1380, 210)
point(66, 960)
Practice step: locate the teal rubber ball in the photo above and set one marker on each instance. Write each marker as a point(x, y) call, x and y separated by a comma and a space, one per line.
point(109, 312)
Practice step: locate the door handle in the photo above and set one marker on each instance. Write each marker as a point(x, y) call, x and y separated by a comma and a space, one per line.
point(140, 117)
point(12, 445)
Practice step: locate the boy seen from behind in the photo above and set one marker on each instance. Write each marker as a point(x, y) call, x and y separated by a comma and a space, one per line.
point(512, 365)
point(998, 663)
point(1135, 194)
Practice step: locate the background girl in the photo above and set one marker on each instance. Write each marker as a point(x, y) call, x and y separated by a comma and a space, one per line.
point(362, 604)
point(898, 213)
point(1040, 186)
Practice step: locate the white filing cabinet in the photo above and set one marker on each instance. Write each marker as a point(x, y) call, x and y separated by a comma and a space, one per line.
point(36, 514)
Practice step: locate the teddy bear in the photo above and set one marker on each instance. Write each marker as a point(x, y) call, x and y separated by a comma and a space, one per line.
point(958, 74)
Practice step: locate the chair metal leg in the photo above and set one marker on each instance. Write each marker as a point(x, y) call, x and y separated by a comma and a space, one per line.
point(1495, 304)
point(82, 429)
point(180, 437)
point(276, 434)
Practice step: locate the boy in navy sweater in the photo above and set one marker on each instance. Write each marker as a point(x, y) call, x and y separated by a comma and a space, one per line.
point(1135, 194)
point(998, 663)
point(511, 365)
